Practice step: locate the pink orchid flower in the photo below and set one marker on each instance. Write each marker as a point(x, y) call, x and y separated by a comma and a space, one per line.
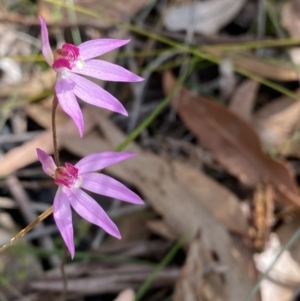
point(71, 60)
point(71, 179)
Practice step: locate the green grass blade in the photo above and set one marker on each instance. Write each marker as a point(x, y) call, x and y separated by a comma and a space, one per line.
point(167, 259)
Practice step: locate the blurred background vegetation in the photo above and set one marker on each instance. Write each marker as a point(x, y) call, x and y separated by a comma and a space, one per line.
point(216, 126)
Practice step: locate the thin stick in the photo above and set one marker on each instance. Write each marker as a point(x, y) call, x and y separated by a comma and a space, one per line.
point(57, 162)
point(28, 228)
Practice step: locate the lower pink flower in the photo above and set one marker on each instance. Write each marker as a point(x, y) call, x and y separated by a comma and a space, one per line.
point(70, 179)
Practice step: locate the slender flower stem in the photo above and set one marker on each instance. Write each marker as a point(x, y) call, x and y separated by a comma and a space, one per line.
point(55, 147)
point(57, 162)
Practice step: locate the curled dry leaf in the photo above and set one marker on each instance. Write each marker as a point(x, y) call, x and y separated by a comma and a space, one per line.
point(201, 276)
point(159, 227)
point(243, 99)
point(291, 21)
point(206, 17)
point(234, 143)
point(283, 279)
point(277, 124)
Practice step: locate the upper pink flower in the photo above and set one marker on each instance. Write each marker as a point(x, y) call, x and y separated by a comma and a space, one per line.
point(70, 179)
point(71, 60)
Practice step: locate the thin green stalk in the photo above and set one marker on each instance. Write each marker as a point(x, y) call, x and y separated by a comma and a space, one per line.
point(54, 136)
point(134, 134)
point(257, 44)
point(167, 259)
point(73, 18)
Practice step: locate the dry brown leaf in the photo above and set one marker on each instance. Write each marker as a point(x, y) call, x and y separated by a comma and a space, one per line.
point(291, 21)
point(243, 99)
point(25, 154)
point(109, 11)
point(275, 70)
point(201, 276)
point(277, 123)
point(234, 143)
point(133, 227)
point(290, 17)
point(279, 71)
point(206, 17)
point(183, 211)
point(283, 280)
point(198, 184)
point(161, 228)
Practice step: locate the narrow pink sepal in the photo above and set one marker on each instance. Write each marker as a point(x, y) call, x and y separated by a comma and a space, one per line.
point(97, 161)
point(95, 95)
point(105, 185)
point(91, 211)
point(107, 71)
point(66, 97)
point(94, 48)
point(47, 162)
point(46, 49)
point(63, 217)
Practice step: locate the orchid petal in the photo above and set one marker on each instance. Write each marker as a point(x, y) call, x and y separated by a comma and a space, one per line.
point(46, 49)
point(90, 210)
point(64, 90)
point(94, 48)
point(99, 161)
point(107, 71)
point(95, 95)
point(102, 184)
point(47, 161)
point(63, 218)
